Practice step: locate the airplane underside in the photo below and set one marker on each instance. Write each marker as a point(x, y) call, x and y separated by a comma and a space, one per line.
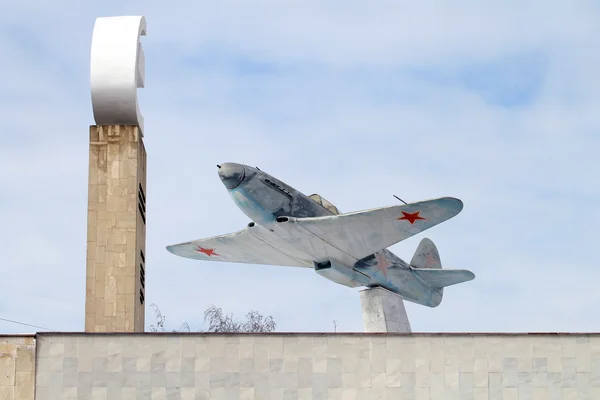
point(383, 269)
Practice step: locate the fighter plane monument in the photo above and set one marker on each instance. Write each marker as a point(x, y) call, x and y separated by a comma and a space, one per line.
point(288, 228)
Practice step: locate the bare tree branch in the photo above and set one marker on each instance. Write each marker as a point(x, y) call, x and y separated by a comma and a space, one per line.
point(218, 321)
point(160, 320)
point(185, 327)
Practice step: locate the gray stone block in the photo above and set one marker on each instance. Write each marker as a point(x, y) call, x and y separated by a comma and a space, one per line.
point(158, 363)
point(187, 379)
point(276, 365)
point(173, 393)
point(129, 365)
point(157, 379)
point(173, 379)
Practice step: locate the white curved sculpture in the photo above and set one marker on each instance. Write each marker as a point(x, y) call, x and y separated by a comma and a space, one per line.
point(117, 70)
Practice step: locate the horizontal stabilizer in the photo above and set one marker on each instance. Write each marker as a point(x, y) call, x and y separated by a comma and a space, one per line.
point(439, 278)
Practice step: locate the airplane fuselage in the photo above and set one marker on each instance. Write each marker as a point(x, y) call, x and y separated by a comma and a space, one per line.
point(267, 201)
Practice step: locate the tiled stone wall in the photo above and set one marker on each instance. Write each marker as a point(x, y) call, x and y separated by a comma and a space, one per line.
point(318, 366)
point(17, 367)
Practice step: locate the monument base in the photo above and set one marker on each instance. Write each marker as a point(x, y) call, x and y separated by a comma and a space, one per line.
point(383, 311)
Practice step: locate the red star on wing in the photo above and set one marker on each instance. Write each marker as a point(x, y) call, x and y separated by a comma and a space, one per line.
point(208, 252)
point(382, 264)
point(411, 217)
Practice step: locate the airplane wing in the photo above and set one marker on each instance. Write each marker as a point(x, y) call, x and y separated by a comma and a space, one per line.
point(363, 233)
point(238, 247)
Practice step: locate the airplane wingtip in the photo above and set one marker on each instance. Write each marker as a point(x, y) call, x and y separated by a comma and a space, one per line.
point(458, 203)
point(457, 200)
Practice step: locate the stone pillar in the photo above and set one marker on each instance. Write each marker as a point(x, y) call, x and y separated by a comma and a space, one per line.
point(383, 311)
point(116, 244)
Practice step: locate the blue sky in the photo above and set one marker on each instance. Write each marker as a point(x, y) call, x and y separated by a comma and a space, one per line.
point(486, 101)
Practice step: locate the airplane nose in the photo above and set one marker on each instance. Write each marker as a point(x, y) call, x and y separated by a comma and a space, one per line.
point(231, 174)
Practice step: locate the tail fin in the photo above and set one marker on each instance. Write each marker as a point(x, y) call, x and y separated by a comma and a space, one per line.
point(426, 256)
point(427, 266)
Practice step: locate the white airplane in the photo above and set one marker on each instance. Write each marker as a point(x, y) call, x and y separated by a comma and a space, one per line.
point(289, 228)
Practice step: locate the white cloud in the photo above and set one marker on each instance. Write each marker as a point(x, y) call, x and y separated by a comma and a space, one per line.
point(342, 116)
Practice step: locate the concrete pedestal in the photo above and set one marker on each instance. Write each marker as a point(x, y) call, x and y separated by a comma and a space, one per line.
point(383, 311)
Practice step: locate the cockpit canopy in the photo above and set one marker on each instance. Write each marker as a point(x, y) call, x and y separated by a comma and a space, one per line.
point(326, 204)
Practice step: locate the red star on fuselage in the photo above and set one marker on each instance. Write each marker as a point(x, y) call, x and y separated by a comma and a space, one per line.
point(208, 252)
point(382, 264)
point(410, 217)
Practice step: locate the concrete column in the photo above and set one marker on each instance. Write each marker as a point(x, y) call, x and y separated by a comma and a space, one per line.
point(116, 243)
point(383, 311)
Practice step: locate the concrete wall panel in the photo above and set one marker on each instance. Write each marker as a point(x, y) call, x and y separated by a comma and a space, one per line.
point(317, 366)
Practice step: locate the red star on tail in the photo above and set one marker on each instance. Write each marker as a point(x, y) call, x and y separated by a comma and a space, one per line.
point(411, 217)
point(208, 252)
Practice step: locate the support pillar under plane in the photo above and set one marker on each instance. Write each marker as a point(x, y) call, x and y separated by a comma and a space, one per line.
point(383, 311)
